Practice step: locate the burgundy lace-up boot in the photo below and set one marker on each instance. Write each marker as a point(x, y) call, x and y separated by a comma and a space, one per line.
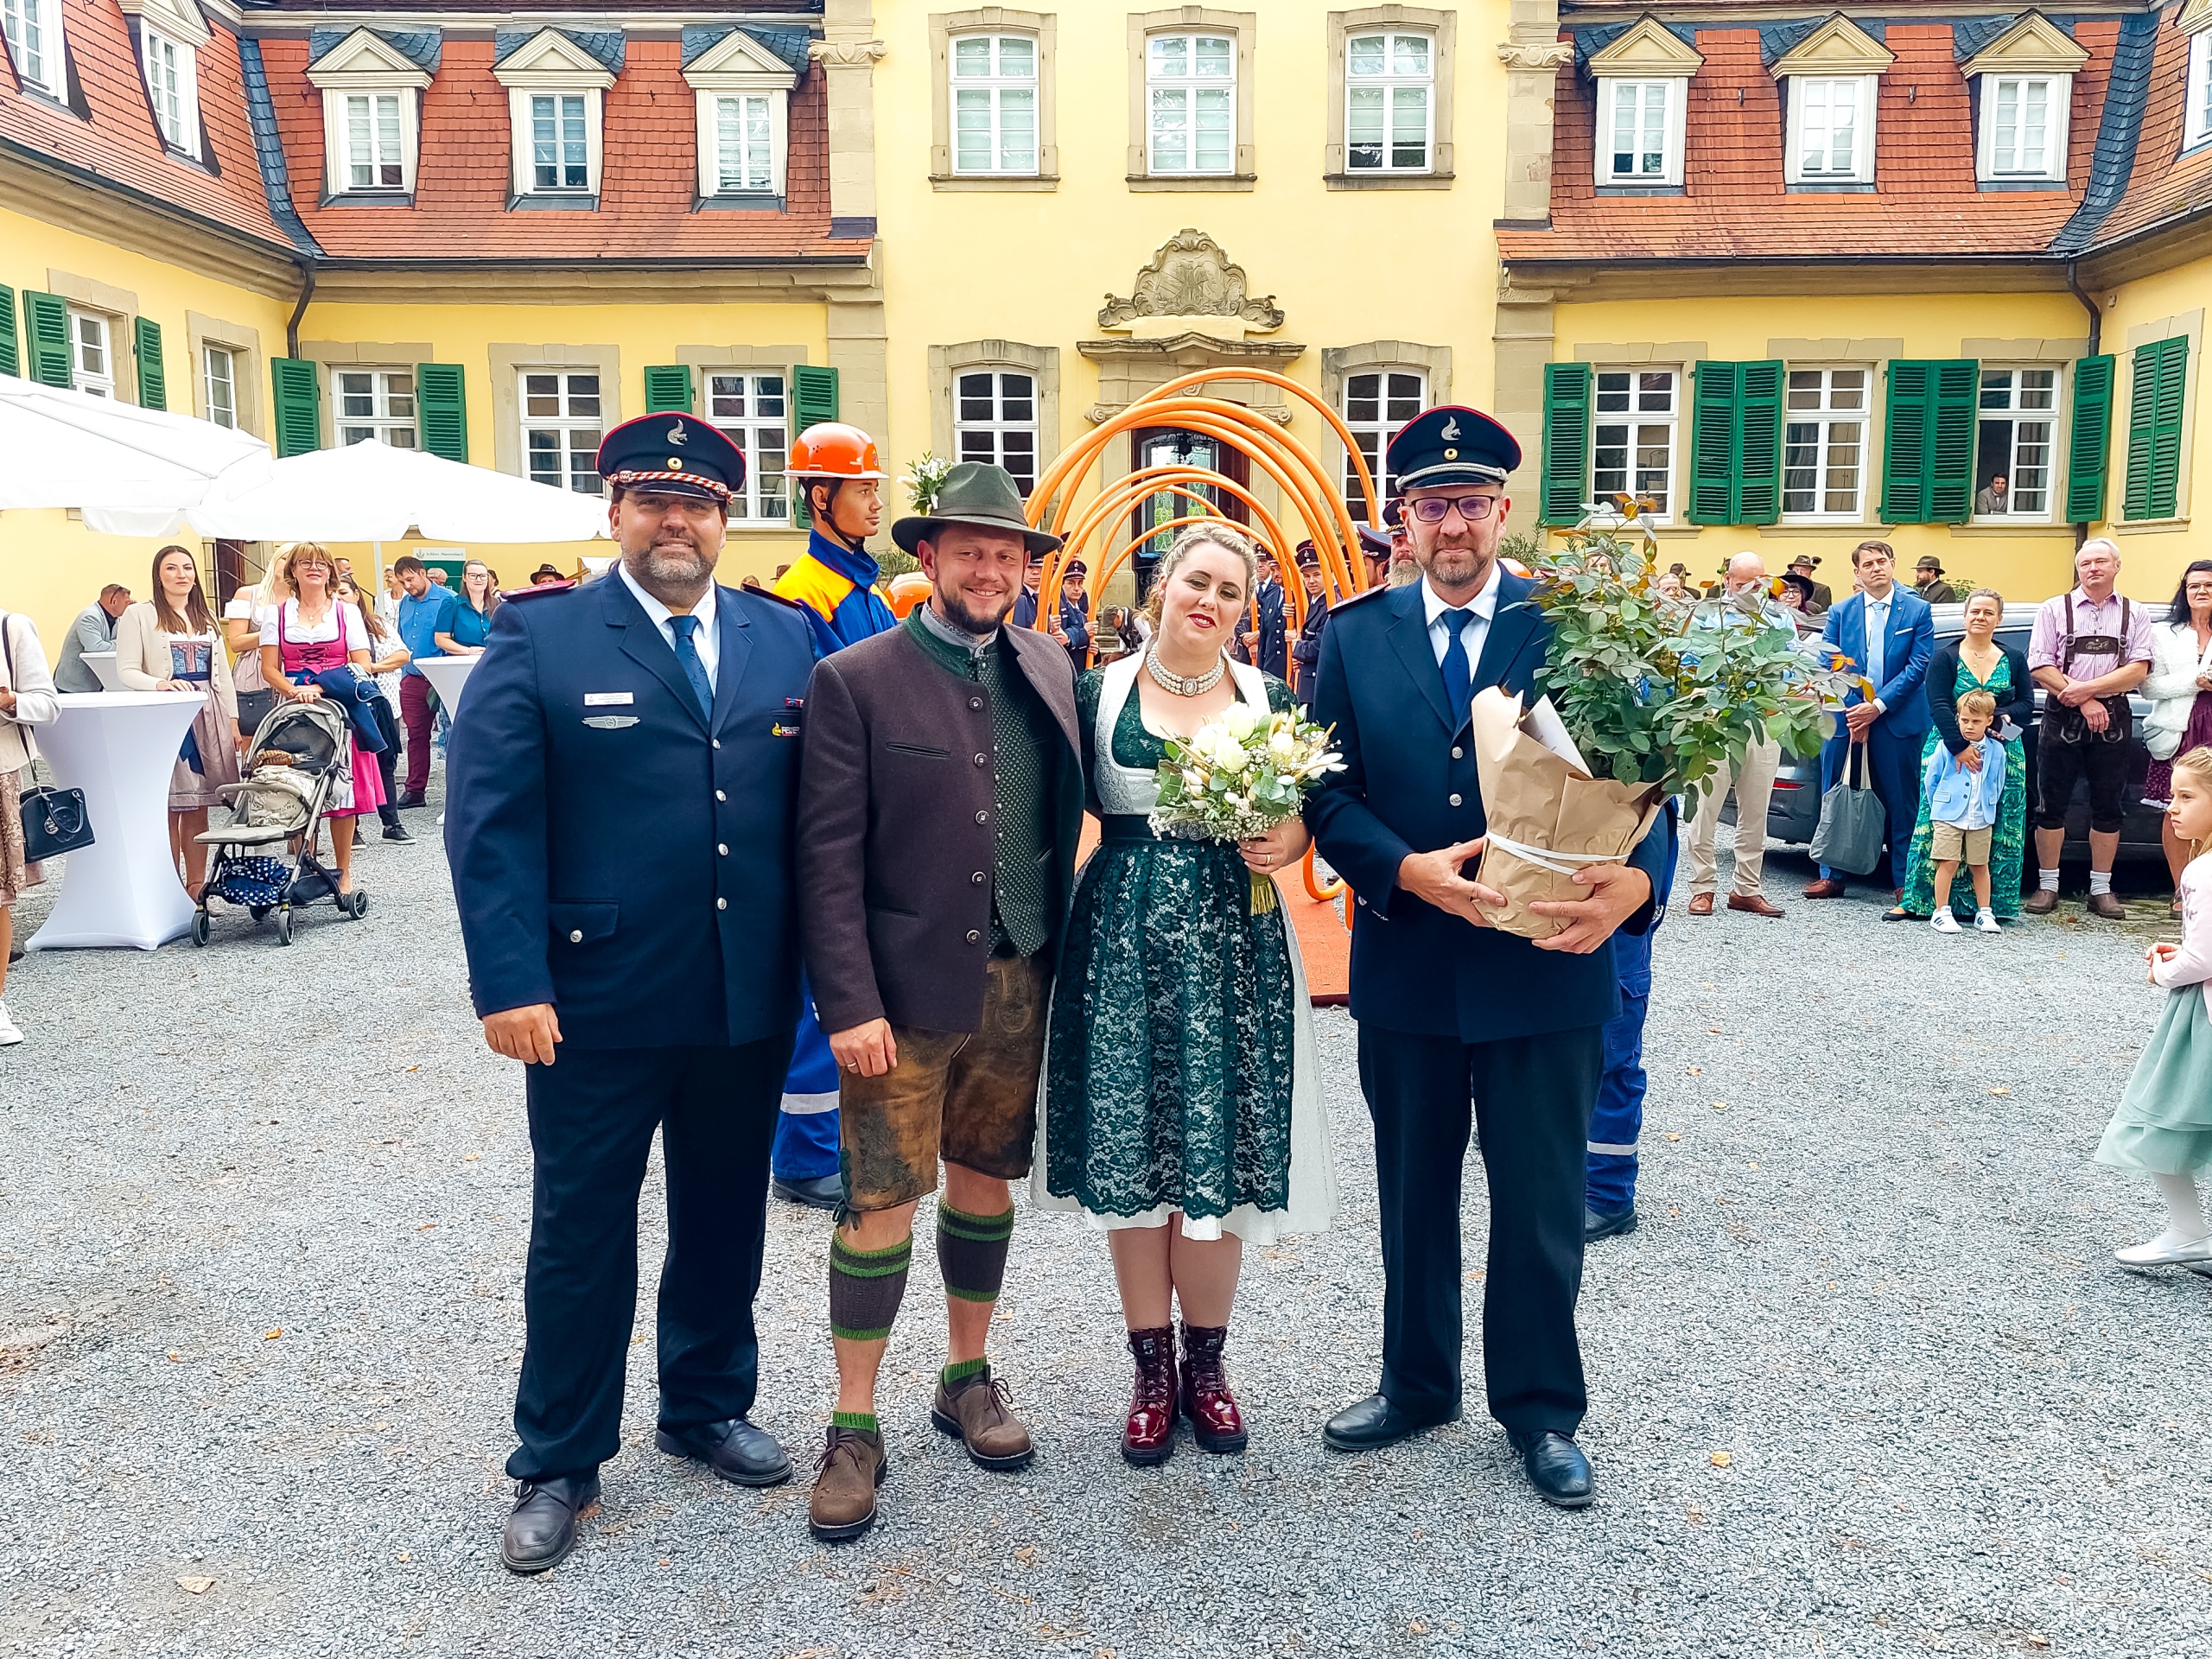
point(1215, 1421)
point(1149, 1435)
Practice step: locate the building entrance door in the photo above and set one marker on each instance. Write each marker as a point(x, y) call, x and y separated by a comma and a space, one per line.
point(1168, 446)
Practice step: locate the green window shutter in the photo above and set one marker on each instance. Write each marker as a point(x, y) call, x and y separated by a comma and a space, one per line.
point(2089, 440)
point(442, 408)
point(153, 379)
point(1905, 460)
point(299, 405)
point(1758, 458)
point(1566, 442)
point(10, 363)
point(668, 388)
point(46, 332)
point(2154, 429)
point(1952, 416)
point(1715, 439)
point(813, 399)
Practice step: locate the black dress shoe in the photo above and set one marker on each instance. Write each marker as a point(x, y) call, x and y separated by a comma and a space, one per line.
point(397, 831)
point(410, 799)
point(1604, 1223)
point(1556, 1468)
point(820, 1192)
point(1366, 1424)
point(541, 1526)
point(736, 1450)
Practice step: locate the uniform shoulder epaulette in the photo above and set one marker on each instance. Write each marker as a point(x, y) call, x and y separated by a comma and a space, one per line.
point(537, 590)
point(1339, 606)
point(800, 606)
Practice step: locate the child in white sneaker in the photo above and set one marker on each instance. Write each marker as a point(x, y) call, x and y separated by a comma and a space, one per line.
point(1962, 804)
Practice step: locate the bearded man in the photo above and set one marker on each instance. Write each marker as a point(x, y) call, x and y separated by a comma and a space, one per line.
point(622, 795)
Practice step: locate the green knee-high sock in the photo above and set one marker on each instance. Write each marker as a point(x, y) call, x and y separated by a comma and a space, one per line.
point(866, 1287)
point(971, 1252)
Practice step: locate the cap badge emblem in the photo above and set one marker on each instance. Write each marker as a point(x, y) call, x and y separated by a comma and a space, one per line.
point(677, 435)
point(674, 464)
point(1451, 455)
point(1449, 430)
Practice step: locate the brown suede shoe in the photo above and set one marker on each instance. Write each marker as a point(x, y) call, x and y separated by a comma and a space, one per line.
point(1825, 889)
point(1757, 903)
point(2041, 902)
point(843, 1505)
point(979, 1413)
point(2107, 906)
point(1701, 904)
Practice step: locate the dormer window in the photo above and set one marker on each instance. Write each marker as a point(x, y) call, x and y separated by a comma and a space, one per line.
point(1831, 81)
point(33, 33)
point(743, 90)
point(555, 84)
point(1644, 82)
point(169, 34)
point(371, 94)
point(2197, 116)
point(2025, 82)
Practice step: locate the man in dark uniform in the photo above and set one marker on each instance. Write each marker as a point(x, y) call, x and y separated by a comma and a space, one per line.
point(1305, 649)
point(1265, 645)
point(1448, 1006)
point(623, 788)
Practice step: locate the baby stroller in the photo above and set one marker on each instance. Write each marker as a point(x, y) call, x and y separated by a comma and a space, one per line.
point(293, 768)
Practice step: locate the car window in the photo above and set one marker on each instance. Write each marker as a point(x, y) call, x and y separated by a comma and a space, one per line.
point(2014, 639)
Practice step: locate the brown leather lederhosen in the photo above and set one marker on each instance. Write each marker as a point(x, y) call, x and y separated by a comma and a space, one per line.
point(2065, 725)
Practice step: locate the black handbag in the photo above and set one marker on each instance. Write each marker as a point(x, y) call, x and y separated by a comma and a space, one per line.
point(54, 820)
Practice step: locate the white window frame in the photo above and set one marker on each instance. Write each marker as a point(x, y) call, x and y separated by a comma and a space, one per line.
point(2196, 109)
point(223, 411)
point(1637, 422)
point(2013, 412)
point(365, 65)
point(1190, 84)
point(172, 64)
point(550, 65)
point(101, 382)
point(1865, 90)
point(2058, 106)
point(569, 426)
point(1391, 83)
point(984, 436)
point(1673, 124)
point(522, 104)
point(995, 88)
point(1827, 416)
point(36, 25)
point(713, 182)
point(383, 421)
point(1371, 433)
point(752, 507)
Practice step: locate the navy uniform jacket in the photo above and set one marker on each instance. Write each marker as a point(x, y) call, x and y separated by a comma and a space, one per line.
point(1410, 786)
point(609, 855)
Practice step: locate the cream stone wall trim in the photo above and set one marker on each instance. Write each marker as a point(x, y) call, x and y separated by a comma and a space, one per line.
point(1985, 350)
point(1042, 26)
point(1838, 47)
point(2196, 15)
point(1875, 351)
point(155, 230)
point(1444, 26)
point(1643, 351)
point(860, 352)
point(120, 306)
point(402, 354)
point(1372, 356)
point(1647, 46)
point(847, 53)
point(2033, 45)
point(948, 363)
point(248, 368)
point(672, 283)
point(361, 59)
point(1190, 275)
point(2189, 323)
point(1532, 54)
point(741, 357)
point(1242, 27)
point(1543, 54)
point(178, 19)
point(507, 363)
point(1129, 368)
point(1521, 342)
point(92, 293)
point(1845, 536)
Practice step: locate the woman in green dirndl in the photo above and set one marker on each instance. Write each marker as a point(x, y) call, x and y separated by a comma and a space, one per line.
point(1183, 1104)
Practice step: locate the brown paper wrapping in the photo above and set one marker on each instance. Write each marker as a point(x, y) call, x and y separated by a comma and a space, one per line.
point(1545, 801)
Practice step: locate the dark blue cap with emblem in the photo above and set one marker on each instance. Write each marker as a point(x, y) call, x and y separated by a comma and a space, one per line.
point(1452, 444)
point(677, 454)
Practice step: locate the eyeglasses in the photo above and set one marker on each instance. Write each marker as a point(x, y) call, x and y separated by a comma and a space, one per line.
point(1431, 509)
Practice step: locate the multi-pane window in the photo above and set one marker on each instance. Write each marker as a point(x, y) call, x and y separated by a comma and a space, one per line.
point(752, 411)
point(561, 429)
point(744, 158)
point(1632, 446)
point(218, 380)
point(1829, 145)
point(373, 161)
point(559, 157)
point(995, 103)
point(1389, 102)
point(1376, 405)
point(374, 404)
point(1191, 89)
point(2013, 448)
point(169, 85)
point(994, 419)
point(33, 33)
point(1824, 443)
point(91, 353)
point(2196, 119)
point(2023, 125)
point(1633, 142)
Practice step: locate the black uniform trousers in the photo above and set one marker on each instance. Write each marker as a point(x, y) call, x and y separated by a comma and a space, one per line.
point(591, 1117)
point(1531, 1098)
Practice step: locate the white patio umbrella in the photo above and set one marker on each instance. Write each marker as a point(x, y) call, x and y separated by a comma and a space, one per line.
point(130, 469)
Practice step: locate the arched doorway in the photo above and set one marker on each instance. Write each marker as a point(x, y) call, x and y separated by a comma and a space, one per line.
point(1170, 446)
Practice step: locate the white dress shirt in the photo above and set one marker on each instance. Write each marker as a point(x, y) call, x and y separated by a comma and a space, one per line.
point(1484, 607)
point(706, 639)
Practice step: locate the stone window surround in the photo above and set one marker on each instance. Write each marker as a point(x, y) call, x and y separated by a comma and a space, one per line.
point(948, 363)
point(2189, 323)
point(1242, 27)
point(247, 366)
point(1371, 356)
point(1044, 26)
point(703, 360)
point(508, 363)
point(1444, 26)
point(372, 66)
point(120, 306)
point(554, 67)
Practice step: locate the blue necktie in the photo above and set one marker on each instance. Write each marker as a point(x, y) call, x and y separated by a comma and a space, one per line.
point(1458, 675)
point(687, 654)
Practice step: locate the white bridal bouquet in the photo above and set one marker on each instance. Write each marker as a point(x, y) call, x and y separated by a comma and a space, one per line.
point(1239, 775)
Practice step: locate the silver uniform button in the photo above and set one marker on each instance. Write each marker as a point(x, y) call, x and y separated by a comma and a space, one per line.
point(973, 936)
point(983, 817)
point(982, 759)
point(720, 796)
point(723, 848)
point(1455, 801)
point(976, 880)
point(1458, 754)
point(975, 702)
point(717, 742)
point(576, 937)
point(721, 903)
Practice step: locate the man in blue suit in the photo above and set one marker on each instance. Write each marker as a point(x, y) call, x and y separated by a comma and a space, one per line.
point(1449, 1007)
point(1890, 635)
point(622, 798)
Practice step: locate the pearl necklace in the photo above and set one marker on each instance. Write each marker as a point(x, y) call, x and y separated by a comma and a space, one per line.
point(1195, 686)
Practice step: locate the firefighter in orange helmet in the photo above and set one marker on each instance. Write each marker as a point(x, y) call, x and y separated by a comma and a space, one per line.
point(840, 475)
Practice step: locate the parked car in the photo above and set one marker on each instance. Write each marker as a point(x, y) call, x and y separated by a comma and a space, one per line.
point(1795, 809)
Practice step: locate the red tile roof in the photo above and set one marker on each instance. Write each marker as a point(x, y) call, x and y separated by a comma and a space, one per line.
point(2165, 183)
point(1735, 205)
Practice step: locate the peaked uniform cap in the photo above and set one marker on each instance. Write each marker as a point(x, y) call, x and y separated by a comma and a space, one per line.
point(677, 454)
point(975, 492)
point(1452, 444)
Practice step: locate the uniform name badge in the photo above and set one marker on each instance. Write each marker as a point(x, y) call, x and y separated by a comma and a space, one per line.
point(608, 699)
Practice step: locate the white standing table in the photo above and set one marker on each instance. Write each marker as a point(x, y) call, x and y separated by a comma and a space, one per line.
point(448, 677)
point(120, 748)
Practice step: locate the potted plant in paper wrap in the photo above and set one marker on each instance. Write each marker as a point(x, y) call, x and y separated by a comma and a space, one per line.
point(1645, 695)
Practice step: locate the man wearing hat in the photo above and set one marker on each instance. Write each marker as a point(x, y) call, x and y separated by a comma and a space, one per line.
point(1065, 622)
point(1927, 582)
point(1819, 598)
point(623, 784)
point(1451, 1009)
point(941, 803)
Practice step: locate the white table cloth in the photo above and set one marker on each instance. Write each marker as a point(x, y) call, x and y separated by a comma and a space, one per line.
point(449, 677)
point(101, 663)
point(120, 748)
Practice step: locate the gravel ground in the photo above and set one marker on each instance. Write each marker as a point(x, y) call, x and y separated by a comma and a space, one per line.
point(261, 1317)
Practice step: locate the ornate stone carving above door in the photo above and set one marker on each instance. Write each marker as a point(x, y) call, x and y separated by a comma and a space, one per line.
point(1191, 276)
